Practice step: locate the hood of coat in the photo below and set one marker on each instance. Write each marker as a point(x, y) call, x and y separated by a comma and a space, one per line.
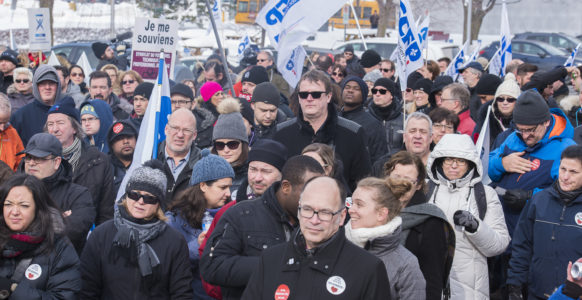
point(380, 238)
point(41, 72)
point(460, 146)
point(105, 118)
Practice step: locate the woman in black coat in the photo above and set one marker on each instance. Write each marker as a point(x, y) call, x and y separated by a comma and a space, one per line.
point(37, 260)
point(137, 255)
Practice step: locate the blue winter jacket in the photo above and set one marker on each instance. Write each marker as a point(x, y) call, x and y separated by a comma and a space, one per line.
point(547, 237)
point(105, 118)
point(545, 154)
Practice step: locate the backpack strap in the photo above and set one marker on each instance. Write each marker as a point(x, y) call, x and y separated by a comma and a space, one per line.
point(481, 200)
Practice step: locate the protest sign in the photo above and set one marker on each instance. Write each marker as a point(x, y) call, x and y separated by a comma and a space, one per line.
point(150, 37)
point(39, 29)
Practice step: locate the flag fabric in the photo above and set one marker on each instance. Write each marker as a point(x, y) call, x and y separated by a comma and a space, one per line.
point(409, 57)
point(495, 64)
point(216, 15)
point(483, 146)
point(243, 44)
point(570, 61)
point(458, 62)
point(54, 61)
point(151, 132)
point(423, 32)
point(475, 54)
point(505, 41)
point(83, 62)
point(293, 66)
point(289, 23)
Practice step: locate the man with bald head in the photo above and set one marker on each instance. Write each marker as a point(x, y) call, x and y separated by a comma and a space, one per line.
point(178, 151)
point(318, 262)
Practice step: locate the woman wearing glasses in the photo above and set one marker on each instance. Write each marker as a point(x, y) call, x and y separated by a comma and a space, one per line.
point(20, 92)
point(208, 192)
point(128, 82)
point(78, 77)
point(338, 73)
point(230, 140)
point(455, 169)
point(376, 226)
point(137, 255)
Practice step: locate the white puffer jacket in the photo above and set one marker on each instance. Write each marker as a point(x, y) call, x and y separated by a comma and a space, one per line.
point(469, 274)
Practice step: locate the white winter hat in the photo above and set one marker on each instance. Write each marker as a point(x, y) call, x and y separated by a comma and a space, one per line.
point(508, 87)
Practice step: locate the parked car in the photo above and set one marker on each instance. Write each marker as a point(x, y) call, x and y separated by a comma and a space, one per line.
point(385, 47)
point(545, 56)
point(557, 39)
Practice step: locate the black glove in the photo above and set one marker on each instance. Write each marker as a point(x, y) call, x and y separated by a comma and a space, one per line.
point(5, 284)
point(466, 219)
point(572, 290)
point(514, 292)
point(516, 198)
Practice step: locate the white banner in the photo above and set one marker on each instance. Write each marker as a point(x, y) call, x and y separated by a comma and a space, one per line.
point(293, 67)
point(458, 62)
point(483, 147)
point(495, 64)
point(423, 32)
point(243, 44)
point(39, 29)
point(409, 57)
point(505, 41)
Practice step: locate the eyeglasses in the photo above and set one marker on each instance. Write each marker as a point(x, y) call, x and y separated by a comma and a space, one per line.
point(337, 74)
point(147, 199)
point(127, 81)
point(90, 119)
point(314, 95)
point(323, 215)
point(77, 75)
point(180, 102)
point(443, 127)
point(232, 145)
point(21, 80)
point(450, 160)
point(382, 91)
point(527, 131)
point(185, 131)
point(38, 160)
point(449, 99)
point(385, 70)
point(408, 90)
point(506, 99)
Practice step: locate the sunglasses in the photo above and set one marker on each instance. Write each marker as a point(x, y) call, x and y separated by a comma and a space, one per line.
point(77, 75)
point(147, 199)
point(382, 91)
point(128, 81)
point(232, 145)
point(21, 80)
point(314, 95)
point(385, 70)
point(408, 90)
point(337, 74)
point(508, 99)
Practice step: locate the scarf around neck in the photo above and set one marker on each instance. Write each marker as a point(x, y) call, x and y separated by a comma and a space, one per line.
point(567, 196)
point(361, 236)
point(22, 244)
point(73, 153)
point(133, 235)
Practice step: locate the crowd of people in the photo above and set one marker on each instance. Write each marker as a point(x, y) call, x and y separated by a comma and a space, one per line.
point(347, 186)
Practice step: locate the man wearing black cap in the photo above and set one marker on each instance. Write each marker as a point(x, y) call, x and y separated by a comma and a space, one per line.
point(387, 108)
point(370, 61)
point(183, 97)
point(485, 90)
point(266, 160)
point(44, 161)
point(106, 56)
point(437, 88)
point(46, 88)
point(122, 137)
point(265, 104)
point(250, 79)
point(471, 74)
point(354, 92)
point(141, 98)
point(8, 62)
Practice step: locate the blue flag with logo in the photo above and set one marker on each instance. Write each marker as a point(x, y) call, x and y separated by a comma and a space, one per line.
point(409, 57)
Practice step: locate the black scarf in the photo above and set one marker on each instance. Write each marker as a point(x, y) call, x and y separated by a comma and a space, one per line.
point(22, 244)
point(567, 196)
point(383, 112)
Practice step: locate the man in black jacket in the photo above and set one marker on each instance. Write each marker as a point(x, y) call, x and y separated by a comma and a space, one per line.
point(122, 137)
point(248, 228)
point(100, 88)
point(106, 56)
point(318, 262)
point(44, 161)
point(8, 62)
point(317, 122)
point(265, 104)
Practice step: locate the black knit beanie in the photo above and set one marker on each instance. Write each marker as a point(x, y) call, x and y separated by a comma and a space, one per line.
point(266, 92)
point(370, 58)
point(530, 109)
point(388, 84)
point(256, 75)
point(487, 85)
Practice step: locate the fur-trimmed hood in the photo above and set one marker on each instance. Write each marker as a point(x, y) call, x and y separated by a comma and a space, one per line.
point(228, 105)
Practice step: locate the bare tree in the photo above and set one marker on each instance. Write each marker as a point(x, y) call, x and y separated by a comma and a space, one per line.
point(49, 4)
point(480, 8)
point(386, 12)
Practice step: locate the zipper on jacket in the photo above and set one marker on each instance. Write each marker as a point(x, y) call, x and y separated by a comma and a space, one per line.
point(561, 221)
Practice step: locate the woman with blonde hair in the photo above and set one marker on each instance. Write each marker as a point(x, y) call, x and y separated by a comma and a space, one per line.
point(113, 73)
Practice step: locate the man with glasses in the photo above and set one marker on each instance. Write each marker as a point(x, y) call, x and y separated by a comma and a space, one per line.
point(43, 159)
point(182, 96)
point(456, 97)
point(386, 107)
point(265, 59)
point(179, 152)
point(317, 122)
point(318, 262)
point(247, 229)
point(444, 122)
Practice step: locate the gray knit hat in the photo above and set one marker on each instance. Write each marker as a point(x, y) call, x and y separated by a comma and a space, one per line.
point(530, 109)
point(149, 178)
point(210, 167)
point(230, 126)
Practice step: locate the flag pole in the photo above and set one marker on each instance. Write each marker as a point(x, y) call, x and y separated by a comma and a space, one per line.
point(357, 23)
point(220, 47)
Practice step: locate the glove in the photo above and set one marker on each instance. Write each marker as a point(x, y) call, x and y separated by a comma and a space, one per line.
point(516, 198)
point(5, 284)
point(572, 290)
point(466, 219)
point(514, 292)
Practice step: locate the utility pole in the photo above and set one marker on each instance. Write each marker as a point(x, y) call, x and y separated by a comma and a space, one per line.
point(469, 16)
point(112, 25)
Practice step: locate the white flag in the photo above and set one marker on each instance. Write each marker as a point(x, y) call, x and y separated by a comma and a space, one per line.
point(458, 62)
point(570, 61)
point(293, 67)
point(243, 44)
point(495, 64)
point(409, 57)
point(423, 32)
point(483, 147)
point(475, 53)
point(505, 41)
point(216, 15)
point(83, 62)
point(53, 60)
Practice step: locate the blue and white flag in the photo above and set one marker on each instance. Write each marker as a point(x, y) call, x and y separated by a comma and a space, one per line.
point(293, 67)
point(152, 130)
point(483, 146)
point(216, 15)
point(423, 32)
point(475, 54)
point(505, 41)
point(458, 62)
point(409, 57)
point(289, 22)
point(243, 44)
point(495, 64)
point(570, 61)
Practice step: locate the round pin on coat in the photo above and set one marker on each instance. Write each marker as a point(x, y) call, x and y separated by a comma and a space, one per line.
point(33, 272)
point(335, 285)
point(578, 218)
point(282, 292)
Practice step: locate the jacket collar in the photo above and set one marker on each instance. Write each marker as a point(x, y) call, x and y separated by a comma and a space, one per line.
point(270, 200)
point(326, 133)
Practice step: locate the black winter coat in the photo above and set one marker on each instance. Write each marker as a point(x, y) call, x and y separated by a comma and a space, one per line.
point(59, 278)
point(107, 278)
point(243, 232)
point(345, 136)
point(266, 132)
point(94, 172)
point(30, 119)
point(183, 180)
point(119, 171)
point(204, 126)
point(393, 122)
point(338, 267)
point(373, 129)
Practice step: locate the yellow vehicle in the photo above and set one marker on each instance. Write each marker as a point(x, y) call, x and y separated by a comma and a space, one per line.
point(247, 10)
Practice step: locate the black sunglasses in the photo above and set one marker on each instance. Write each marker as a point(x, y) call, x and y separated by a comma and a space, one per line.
point(337, 74)
point(232, 145)
point(128, 81)
point(509, 99)
point(147, 199)
point(21, 80)
point(385, 70)
point(314, 95)
point(382, 91)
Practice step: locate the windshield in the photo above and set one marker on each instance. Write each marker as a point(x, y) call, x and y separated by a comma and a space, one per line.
point(555, 51)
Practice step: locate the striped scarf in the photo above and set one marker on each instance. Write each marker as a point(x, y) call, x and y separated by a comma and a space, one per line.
point(73, 153)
